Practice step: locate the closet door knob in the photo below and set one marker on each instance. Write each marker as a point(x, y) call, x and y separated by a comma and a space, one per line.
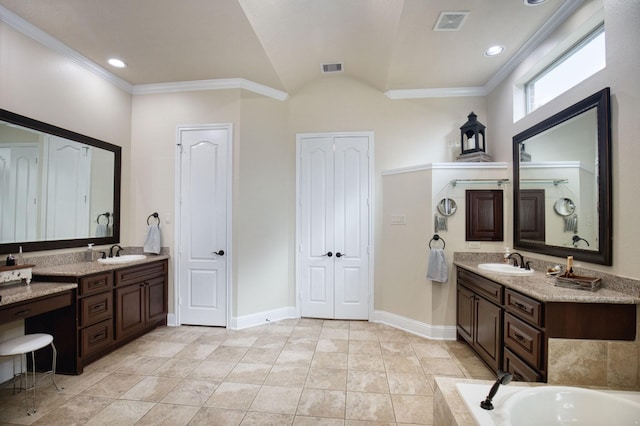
point(219, 253)
point(329, 254)
point(338, 254)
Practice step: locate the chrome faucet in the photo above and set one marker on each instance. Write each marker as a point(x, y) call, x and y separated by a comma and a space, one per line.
point(118, 250)
point(503, 379)
point(515, 261)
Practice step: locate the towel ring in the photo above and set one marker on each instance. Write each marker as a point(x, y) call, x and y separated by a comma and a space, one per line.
point(437, 237)
point(107, 214)
point(154, 214)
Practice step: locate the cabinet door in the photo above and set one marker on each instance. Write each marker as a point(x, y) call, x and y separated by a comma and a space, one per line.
point(156, 300)
point(130, 315)
point(488, 332)
point(464, 316)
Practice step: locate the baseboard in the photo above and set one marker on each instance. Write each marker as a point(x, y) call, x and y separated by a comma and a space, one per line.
point(171, 320)
point(252, 320)
point(434, 332)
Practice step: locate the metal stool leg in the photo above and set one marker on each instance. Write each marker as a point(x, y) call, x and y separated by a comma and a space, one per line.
point(33, 382)
point(53, 367)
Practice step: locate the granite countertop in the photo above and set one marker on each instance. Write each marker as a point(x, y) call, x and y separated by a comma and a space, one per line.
point(542, 287)
point(88, 268)
point(20, 292)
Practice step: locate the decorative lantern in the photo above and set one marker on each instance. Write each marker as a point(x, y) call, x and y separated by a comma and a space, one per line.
point(472, 136)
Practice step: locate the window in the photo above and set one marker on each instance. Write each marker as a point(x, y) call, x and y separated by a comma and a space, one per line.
point(578, 63)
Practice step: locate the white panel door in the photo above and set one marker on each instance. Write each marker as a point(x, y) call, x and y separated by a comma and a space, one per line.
point(333, 228)
point(203, 257)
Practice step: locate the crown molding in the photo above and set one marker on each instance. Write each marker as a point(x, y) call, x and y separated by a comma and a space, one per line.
point(215, 84)
point(460, 165)
point(59, 47)
point(564, 11)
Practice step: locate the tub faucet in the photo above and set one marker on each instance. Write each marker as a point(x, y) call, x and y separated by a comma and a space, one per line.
point(118, 250)
point(503, 379)
point(515, 261)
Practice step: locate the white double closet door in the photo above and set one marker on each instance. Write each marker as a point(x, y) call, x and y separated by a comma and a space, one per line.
point(333, 225)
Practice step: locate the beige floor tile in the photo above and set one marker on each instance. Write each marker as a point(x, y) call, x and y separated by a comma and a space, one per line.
point(261, 356)
point(332, 345)
point(284, 375)
point(267, 419)
point(169, 415)
point(113, 385)
point(228, 354)
point(13, 410)
point(441, 366)
point(402, 364)
point(349, 422)
point(329, 360)
point(75, 411)
point(364, 347)
point(368, 362)
point(208, 416)
point(235, 396)
point(151, 388)
point(305, 332)
point(334, 333)
point(368, 335)
point(414, 409)
point(295, 358)
point(363, 325)
point(162, 349)
point(121, 412)
point(212, 370)
point(397, 348)
point(109, 363)
point(326, 378)
point(369, 406)
point(78, 384)
point(367, 381)
point(142, 365)
point(270, 342)
point(177, 367)
point(431, 350)
point(240, 341)
point(393, 336)
point(191, 392)
point(249, 373)
point(301, 344)
point(197, 351)
point(316, 421)
point(322, 403)
point(409, 384)
point(336, 324)
point(276, 399)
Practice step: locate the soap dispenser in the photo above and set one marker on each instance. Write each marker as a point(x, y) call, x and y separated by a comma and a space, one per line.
point(506, 255)
point(88, 256)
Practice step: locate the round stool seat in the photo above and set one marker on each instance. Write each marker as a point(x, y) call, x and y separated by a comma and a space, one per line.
point(25, 344)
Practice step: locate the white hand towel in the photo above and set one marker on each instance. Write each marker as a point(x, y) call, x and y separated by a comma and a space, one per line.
point(102, 231)
point(152, 243)
point(438, 268)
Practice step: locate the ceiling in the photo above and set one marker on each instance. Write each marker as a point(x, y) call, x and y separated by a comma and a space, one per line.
point(389, 44)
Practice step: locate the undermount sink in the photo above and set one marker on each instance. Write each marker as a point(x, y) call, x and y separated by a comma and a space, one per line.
point(504, 268)
point(123, 258)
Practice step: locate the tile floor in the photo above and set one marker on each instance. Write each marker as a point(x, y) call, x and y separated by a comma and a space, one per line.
point(293, 372)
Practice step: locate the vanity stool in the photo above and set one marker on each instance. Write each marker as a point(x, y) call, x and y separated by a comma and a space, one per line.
point(22, 345)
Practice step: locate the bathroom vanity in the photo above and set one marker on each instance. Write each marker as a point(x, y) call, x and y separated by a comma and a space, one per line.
point(110, 306)
point(508, 320)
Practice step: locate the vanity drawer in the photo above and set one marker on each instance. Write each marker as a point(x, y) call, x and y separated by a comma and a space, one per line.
point(35, 307)
point(523, 340)
point(96, 308)
point(521, 371)
point(96, 337)
point(524, 307)
point(95, 283)
point(141, 273)
point(486, 288)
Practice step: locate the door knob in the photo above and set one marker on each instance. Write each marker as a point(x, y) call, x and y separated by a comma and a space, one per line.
point(219, 253)
point(329, 254)
point(338, 254)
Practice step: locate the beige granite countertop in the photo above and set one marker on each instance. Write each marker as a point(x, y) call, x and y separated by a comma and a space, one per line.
point(87, 268)
point(20, 292)
point(542, 287)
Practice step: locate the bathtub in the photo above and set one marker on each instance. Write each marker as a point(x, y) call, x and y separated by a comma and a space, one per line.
point(551, 405)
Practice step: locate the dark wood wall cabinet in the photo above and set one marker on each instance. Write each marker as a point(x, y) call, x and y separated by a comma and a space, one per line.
point(510, 331)
point(111, 309)
point(484, 215)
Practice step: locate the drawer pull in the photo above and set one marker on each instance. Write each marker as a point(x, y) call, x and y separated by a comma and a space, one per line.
point(98, 307)
point(521, 306)
point(519, 336)
point(517, 376)
point(97, 337)
point(23, 313)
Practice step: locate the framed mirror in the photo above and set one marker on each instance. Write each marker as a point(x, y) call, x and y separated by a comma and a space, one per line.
point(566, 157)
point(58, 188)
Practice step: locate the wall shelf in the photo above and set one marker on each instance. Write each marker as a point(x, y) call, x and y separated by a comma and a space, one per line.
point(498, 182)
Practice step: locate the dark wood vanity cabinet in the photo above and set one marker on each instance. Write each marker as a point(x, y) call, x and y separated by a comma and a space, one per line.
point(112, 308)
point(510, 331)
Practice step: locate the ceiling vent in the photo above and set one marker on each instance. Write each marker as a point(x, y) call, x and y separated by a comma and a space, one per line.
point(450, 21)
point(331, 68)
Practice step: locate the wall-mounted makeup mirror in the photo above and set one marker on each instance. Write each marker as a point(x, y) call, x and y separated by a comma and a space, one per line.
point(566, 157)
point(58, 189)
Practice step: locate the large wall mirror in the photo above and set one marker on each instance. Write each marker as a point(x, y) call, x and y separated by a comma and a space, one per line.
point(562, 183)
point(58, 189)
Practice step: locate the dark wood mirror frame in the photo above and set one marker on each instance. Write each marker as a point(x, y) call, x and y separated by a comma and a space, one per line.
point(600, 101)
point(29, 246)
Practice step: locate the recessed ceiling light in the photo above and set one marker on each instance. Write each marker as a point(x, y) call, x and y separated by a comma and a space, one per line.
point(533, 2)
point(494, 50)
point(118, 63)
